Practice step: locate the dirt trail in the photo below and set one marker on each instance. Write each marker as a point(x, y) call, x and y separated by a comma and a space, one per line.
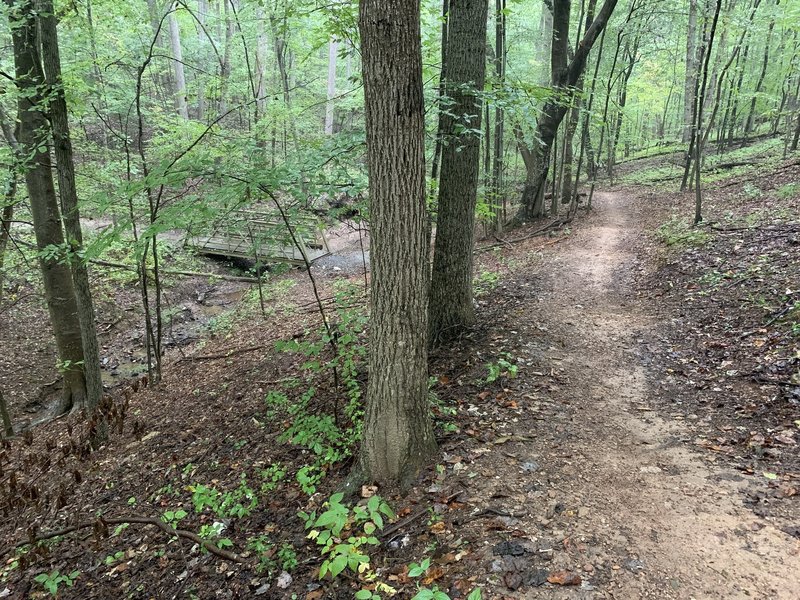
point(647, 514)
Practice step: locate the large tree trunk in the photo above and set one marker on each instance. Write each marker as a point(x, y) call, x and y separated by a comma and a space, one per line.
point(177, 55)
point(398, 433)
point(565, 77)
point(451, 307)
point(690, 82)
point(69, 202)
point(34, 130)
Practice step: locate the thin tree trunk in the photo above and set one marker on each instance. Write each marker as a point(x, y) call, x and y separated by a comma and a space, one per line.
point(177, 64)
point(8, 427)
point(34, 130)
point(279, 38)
point(437, 149)
point(225, 67)
point(451, 302)
point(69, 202)
point(698, 210)
point(630, 54)
point(748, 127)
point(537, 161)
point(499, 119)
point(9, 194)
point(690, 82)
point(261, 63)
point(333, 51)
point(398, 434)
point(202, 36)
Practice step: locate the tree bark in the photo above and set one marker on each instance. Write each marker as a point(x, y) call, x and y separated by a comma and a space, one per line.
point(451, 303)
point(398, 433)
point(69, 202)
point(34, 130)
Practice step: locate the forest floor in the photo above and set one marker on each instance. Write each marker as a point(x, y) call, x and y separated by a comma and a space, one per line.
point(640, 440)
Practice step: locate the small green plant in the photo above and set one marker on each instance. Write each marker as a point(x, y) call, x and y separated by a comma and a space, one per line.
point(174, 517)
point(790, 190)
point(272, 476)
point(52, 581)
point(361, 522)
point(439, 409)
point(64, 366)
point(114, 558)
point(504, 367)
point(287, 557)
point(485, 282)
point(435, 593)
point(239, 502)
point(752, 191)
point(677, 232)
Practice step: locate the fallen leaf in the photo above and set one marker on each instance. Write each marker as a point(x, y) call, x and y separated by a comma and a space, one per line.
point(564, 578)
point(368, 491)
point(438, 527)
point(433, 574)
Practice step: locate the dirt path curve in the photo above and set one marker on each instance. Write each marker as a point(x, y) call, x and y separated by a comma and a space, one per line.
point(645, 514)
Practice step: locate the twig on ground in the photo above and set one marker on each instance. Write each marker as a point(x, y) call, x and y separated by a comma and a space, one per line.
point(181, 533)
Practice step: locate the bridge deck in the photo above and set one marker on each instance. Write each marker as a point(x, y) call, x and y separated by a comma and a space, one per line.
point(263, 237)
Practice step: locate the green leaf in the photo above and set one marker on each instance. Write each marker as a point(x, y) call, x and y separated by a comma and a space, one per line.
point(363, 595)
point(475, 594)
point(338, 565)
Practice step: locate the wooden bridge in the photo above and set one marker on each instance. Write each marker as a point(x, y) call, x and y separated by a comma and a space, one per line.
point(263, 237)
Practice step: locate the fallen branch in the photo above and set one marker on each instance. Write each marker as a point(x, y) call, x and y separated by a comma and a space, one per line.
point(541, 230)
point(116, 265)
point(221, 354)
point(172, 532)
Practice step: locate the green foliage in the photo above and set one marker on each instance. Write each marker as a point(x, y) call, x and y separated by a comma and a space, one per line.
point(677, 232)
point(239, 502)
point(752, 191)
point(360, 523)
point(52, 581)
point(788, 191)
point(485, 282)
point(174, 517)
point(504, 367)
point(330, 438)
point(435, 593)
